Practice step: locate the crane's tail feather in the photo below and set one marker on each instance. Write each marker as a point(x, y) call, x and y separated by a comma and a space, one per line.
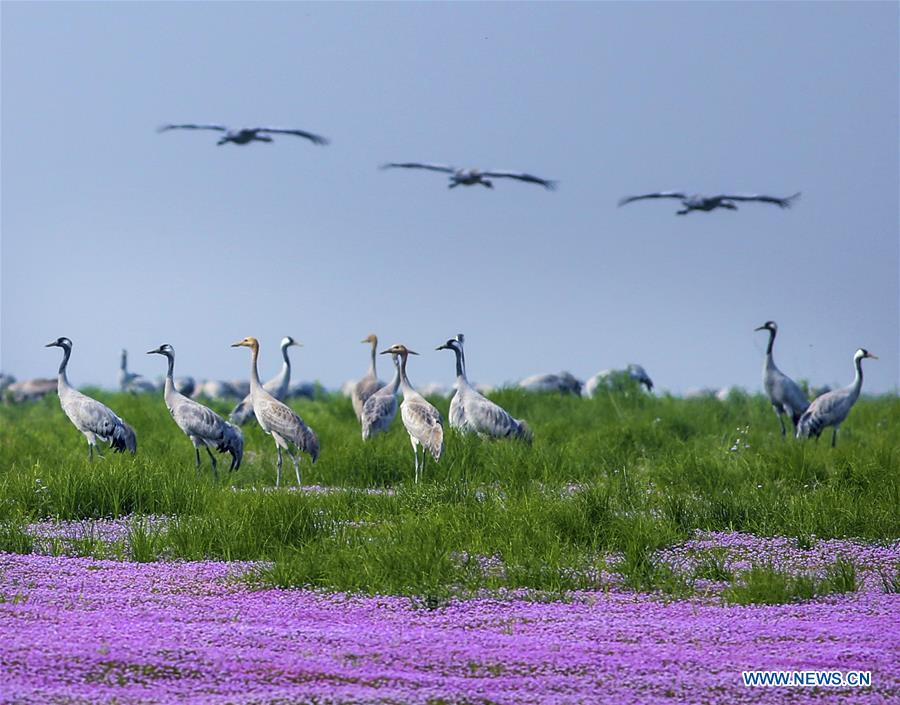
point(233, 443)
point(808, 425)
point(123, 438)
point(524, 431)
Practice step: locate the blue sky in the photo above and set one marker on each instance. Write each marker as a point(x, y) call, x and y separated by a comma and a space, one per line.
point(117, 236)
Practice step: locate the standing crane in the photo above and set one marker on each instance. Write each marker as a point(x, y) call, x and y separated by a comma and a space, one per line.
point(369, 384)
point(278, 419)
point(203, 426)
point(785, 395)
point(278, 386)
point(832, 408)
point(131, 381)
point(421, 419)
point(93, 419)
point(381, 408)
point(471, 412)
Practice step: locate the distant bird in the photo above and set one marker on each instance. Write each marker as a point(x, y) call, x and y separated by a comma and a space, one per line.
point(564, 382)
point(618, 380)
point(31, 389)
point(832, 408)
point(369, 384)
point(380, 409)
point(203, 426)
point(245, 135)
point(470, 177)
point(639, 374)
point(783, 392)
point(131, 381)
point(697, 202)
point(6, 380)
point(421, 419)
point(471, 412)
point(93, 419)
point(278, 419)
point(217, 389)
point(278, 386)
point(185, 385)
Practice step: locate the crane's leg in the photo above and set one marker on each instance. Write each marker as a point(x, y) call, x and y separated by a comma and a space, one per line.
point(197, 458)
point(90, 452)
point(416, 456)
point(834, 436)
point(296, 463)
point(212, 459)
point(278, 465)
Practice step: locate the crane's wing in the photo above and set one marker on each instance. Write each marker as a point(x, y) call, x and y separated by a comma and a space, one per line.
point(658, 194)
point(781, 202)
point(530, 178)
point(191, 126)
point(423, 422)
point(315, 139)
point(195, 419)
point(419, 165)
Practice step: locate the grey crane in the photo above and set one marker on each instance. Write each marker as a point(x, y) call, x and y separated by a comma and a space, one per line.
point(470, 177)
point(369, 384)
point(31, 389)
point(131, 381)
point(380, 409)
point(278, 386)
point(564, 382)
point(93, 419)
point(421, 419)
point(618, 380)
point(784, 393)
point(278, 419)
point(697, 202)
point(203, 426)
point(245, 135)
point(832, 408)
point(472, 412)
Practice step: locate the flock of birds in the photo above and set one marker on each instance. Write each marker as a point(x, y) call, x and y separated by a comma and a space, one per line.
point(482, 177)
point(375, 406)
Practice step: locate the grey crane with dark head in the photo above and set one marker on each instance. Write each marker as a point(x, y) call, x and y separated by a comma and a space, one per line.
point(784, 393)
point(472, 412)
point(471, 177)
point(278, 419)
point(93, 419)
point(697, 202)
point(421, 419)
point(131, 381)
point(832, 408)
point(245, 135)
point(203, 426)
point(369, 384)
point(278, 386)
point(380, 409)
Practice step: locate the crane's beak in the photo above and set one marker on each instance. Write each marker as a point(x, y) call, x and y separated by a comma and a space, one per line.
point(52, 345)
point(412, 352)
point(238, 344)
point(152, 352)
point(761, 328)
point(383, 352)
point(441, 347)
point(874, 357)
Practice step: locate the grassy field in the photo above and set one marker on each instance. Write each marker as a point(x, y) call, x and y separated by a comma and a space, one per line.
point(623, 474)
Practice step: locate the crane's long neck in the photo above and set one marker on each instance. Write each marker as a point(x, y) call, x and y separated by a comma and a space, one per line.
point(460, 363)
point(404, 380)
point(62, 379)
point(395, 383)
point(254, 372)
point(771, 343)
point(170, 375)
point(856, 385)
point(285, 365)
point(372, 372)
point(124, 364)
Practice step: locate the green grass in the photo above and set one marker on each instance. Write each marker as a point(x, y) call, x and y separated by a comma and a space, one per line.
point(647, 472)
point(766, 585)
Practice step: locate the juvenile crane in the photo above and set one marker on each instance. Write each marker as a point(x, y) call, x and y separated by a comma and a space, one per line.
point(471, 177)
point(369, 384)
point(471, 412)
point(421, 419)
point(697, 202)
point(246, 135)
point(783, 392)
point(380, 409)
point(93, 419)
point(832, 408)
point(203, 426)
point(278, 419)
point(278, 386)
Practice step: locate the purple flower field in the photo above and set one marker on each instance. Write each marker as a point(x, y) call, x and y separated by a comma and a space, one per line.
point(80, 630)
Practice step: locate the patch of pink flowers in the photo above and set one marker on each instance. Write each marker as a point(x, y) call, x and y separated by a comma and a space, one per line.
point(79, 630)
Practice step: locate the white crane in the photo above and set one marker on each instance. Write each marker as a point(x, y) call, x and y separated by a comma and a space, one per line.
point(832, 408)
point(369, 384)
point(784, 393)
point(698, 202)
point(203, 426)
point(471, 412)
point(131, 381)
point(380, 409)
point(278, 419)
point(421, 419)
point(245, 135)
point(278, 386)
point(470, 177)
point(93, 419)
